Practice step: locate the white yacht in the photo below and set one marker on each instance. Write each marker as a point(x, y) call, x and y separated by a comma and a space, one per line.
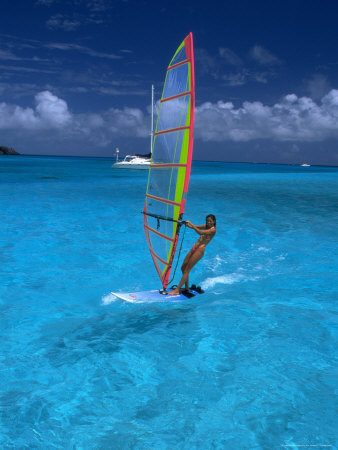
point(138, 161)
point(132, 162)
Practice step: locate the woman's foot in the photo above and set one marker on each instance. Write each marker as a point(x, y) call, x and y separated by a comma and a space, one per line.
point(174, 292)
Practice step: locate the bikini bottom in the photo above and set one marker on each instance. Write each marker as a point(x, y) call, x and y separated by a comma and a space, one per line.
point(194, 248)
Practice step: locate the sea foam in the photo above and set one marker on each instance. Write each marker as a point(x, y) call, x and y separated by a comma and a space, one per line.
point(107, 299)
point(222, 279)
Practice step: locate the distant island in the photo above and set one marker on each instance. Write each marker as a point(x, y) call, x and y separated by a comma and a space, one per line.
point(7, 151)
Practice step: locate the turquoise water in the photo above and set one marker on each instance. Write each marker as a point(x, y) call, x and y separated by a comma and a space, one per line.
point(248, 365)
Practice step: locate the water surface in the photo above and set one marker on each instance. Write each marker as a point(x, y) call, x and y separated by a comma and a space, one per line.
point(248, 365)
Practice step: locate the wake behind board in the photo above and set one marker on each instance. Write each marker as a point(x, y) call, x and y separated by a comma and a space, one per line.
point(156, 297)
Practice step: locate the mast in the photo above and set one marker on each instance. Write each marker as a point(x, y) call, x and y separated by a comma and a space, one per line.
point(152, 119)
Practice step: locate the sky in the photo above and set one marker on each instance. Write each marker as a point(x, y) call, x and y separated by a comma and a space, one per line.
point(76, 75)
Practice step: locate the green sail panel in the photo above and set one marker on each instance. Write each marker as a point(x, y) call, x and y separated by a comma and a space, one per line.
point(169, 172)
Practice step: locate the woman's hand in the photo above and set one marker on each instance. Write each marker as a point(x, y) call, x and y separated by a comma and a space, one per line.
point(188, 223)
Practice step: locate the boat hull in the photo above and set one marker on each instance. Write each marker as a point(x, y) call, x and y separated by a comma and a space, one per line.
point(131, 166)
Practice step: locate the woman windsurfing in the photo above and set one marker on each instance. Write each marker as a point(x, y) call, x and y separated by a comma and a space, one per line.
point(206, 232)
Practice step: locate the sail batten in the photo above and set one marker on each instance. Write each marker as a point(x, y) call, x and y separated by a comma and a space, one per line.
point(171, 130)
point(159, 258)
point(177, 65)
point(169, 171)
point(154, 166)
point(175, 96)
point(165, 200)
point(159, 234)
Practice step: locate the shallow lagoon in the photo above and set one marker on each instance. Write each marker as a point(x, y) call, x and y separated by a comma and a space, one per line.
point(250, 364)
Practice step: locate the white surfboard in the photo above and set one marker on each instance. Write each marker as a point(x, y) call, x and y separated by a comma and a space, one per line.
point(155, 296)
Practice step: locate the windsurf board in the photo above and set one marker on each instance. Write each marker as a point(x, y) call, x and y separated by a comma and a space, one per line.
point(155, 296)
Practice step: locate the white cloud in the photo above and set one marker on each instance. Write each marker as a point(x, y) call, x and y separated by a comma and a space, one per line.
point(113, 123)
point(263, 56)
point(80, 48)
point(292, 119)
point(50, 112)
point(230, 57)
point(8, 55)
point(59, 21)
point(84, 12)
point(15, 117)
point(236, 79)
point(98, 5)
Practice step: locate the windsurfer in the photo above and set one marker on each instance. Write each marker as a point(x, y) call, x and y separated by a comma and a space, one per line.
point(206, 232)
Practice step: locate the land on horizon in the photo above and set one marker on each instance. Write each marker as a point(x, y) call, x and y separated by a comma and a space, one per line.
point(8, 151)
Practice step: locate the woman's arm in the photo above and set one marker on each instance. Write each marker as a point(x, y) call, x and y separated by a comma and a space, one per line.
point(199, 231)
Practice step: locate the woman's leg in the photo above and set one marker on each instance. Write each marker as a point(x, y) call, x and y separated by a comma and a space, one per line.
point(194, 258)
point(186, 260)
point(184, 265)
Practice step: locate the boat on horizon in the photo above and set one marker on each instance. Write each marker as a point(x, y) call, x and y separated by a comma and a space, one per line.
point(138, 161)
point(133, 162)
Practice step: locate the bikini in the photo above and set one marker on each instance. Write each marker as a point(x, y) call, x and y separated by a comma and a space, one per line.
point(194, 248)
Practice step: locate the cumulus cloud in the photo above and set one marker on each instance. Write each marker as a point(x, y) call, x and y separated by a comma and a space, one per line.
point(292, 119)
point(51, 113)
point(113, 123)
point(298, 119)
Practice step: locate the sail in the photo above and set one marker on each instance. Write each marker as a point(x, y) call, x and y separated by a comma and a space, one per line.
point(169, 171)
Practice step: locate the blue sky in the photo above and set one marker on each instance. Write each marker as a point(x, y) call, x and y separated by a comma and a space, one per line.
point(75, 76)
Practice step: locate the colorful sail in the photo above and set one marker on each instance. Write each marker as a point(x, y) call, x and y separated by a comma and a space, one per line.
point(169, 171)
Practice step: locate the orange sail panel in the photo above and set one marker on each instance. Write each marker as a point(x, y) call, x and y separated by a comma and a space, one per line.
point(169, 172)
